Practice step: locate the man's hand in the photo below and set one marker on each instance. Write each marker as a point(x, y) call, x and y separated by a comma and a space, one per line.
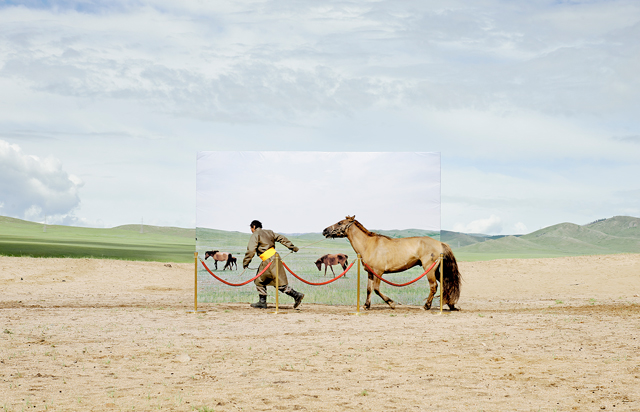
point(244, 267)
point(295, 248)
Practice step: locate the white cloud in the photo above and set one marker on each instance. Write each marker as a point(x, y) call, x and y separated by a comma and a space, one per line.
point(520, 228)
point(283, 61)
point(31, 188)
point(490, 225)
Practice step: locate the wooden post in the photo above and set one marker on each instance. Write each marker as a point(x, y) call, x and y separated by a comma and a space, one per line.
point(275, 260)
point(441, 282)
point(357, 312)
point(358, 288)
point(195, 287)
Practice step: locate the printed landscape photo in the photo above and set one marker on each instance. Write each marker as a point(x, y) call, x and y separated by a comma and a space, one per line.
point(298, 194)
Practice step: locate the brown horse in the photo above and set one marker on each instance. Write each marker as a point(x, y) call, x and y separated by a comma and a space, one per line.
point(330, 260)
point(385, 255)
point(218, 257)
point(230, 262)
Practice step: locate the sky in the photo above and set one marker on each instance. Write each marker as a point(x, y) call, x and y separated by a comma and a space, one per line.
point(309, 191)
point(533, 105)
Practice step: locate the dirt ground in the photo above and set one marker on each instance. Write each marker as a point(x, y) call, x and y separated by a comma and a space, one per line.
point(533, 335)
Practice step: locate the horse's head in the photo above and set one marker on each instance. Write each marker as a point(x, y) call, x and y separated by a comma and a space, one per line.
point(340, 228)
point(319, 264)
point(210, 253)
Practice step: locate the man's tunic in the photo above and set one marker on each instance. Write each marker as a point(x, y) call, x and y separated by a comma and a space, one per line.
point(262, 240)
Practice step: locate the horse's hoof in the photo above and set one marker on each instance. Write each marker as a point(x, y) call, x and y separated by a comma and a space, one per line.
point(453, 308)
point(392, 304)
point(427, 307)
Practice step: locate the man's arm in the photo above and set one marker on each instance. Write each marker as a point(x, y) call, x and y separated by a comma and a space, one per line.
point(286, 242)
point(251, 251)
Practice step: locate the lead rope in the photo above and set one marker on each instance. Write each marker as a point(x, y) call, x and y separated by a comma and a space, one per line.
point(314, 243)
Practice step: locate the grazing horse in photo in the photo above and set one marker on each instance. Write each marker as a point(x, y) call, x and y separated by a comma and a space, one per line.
point(217, 257)
point(386, 255)
point(230, 262)
point(330, 260)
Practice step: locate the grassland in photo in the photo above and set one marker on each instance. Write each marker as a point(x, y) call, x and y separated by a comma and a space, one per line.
point(312, 246)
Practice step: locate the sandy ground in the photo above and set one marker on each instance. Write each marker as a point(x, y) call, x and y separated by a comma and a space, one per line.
point(533, 335)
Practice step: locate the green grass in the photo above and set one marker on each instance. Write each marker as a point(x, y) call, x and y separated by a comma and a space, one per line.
point(22, 238)
point(312, 246)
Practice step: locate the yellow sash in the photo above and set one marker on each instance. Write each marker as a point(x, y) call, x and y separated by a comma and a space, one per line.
point(267, 254)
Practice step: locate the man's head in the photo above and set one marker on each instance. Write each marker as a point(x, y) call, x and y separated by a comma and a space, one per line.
point(255, 225)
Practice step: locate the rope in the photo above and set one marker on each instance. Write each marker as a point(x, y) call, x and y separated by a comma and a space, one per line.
point(400, 284)
point(302, 247)
point(321, 283)
point(234, 284)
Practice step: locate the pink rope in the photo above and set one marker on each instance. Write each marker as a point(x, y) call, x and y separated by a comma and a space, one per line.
point(235, 284)
point(321, 283)
point(400, 284)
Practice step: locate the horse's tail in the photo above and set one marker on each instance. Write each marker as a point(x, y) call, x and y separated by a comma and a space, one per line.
point(451, 277)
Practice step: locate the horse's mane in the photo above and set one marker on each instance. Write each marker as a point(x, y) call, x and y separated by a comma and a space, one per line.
point(367, 232)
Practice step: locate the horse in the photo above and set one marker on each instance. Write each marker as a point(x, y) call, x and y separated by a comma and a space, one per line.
point(386, 255)
point(330, 260)
point(230, 262)
point(217, 257)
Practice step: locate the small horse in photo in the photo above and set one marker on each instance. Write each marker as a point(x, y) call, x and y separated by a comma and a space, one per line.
point(217, 257)
point(330, 260)
point(230, 262)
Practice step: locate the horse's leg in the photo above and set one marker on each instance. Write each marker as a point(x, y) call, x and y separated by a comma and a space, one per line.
point(433, 285)
point(367, 302)
point(376, 287)
point(334, 273)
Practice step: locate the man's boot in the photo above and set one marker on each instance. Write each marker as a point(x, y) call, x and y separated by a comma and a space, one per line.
point(297, 296)
point(260, 304)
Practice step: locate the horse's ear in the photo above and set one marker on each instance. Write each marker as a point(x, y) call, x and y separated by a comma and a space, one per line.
point(351, 218)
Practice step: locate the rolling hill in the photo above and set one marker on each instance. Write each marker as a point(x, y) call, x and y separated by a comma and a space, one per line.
point(162, 244)
point(619, 234)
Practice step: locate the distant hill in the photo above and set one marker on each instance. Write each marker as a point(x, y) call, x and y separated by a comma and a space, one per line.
point(457, 239)
point(619, 234)
point(23, 238)
point(160, 230)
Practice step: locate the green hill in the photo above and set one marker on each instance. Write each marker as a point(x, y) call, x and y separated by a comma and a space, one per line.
point(22, 238)
point(620, 234)
point(457, 239)
point(620, 226)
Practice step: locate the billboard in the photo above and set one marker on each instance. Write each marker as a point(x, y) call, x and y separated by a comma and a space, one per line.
point(298, 194)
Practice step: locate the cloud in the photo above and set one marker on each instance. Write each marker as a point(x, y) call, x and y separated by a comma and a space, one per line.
point(520, 228)
point(628, 139)
point(32, 188)
point(289, 62)
point(491, 225)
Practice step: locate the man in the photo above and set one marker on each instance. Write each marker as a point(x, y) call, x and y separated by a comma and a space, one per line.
point(263, 243)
